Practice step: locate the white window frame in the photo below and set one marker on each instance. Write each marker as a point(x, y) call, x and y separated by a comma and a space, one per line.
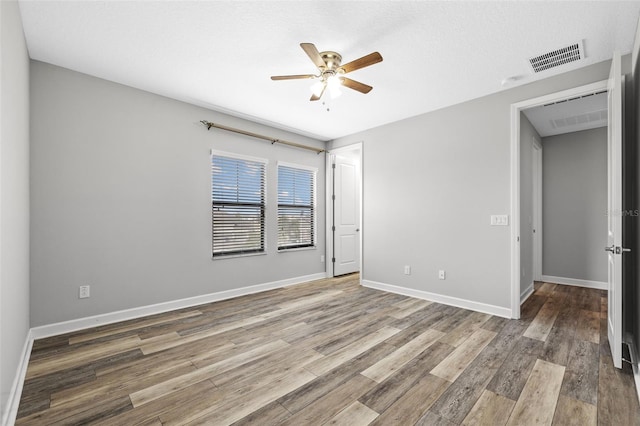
point(237, 156)
point(314, 171)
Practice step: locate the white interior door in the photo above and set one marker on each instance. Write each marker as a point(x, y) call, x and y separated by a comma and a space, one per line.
point(346, 215)
point(614, 213)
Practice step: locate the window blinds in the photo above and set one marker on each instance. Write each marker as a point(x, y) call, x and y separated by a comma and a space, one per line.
point(296, 207)
point(238, 205)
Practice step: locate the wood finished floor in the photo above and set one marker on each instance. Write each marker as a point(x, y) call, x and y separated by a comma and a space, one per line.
point(332, 352)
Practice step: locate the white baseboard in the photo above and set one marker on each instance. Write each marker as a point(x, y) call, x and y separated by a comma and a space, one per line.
point(634, 363)
point(600, 285)
point(526, 293)
point(142, 311)
point(439, 298)
point(13, 402)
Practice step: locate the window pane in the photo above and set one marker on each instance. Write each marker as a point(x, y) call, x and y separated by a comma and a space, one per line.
point(296, 210)
point(238, 207)
point(295, 186)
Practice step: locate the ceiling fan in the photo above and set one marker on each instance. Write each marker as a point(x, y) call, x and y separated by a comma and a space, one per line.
point(332, 74)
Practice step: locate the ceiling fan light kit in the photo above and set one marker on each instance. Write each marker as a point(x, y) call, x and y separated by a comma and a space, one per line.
point(332, 73)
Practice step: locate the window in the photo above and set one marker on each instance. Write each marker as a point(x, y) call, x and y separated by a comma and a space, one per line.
point(296, 207)
point(237, 204)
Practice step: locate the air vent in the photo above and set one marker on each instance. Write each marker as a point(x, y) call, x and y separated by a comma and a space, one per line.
point(581, 119)
point(558, 57)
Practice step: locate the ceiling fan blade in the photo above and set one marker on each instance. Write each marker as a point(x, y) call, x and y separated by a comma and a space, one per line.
point(291, 77)
point(315, 97)
point(355, 85)
point(365, 61)
point(314, 55)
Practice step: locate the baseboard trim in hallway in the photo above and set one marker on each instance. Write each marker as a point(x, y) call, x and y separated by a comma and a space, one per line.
point(575, 282)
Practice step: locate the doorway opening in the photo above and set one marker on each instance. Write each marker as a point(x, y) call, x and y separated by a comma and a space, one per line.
point(613, 87)
point(574, 135)
point(529, 223)
point(344, 211)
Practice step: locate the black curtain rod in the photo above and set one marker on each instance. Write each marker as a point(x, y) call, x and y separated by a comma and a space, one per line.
point(258, 136)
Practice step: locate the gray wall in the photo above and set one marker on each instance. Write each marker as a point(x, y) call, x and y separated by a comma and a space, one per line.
point(121, 199)
point(574, 205)
point(527, 132)
point(14, 195)
point(431, 183)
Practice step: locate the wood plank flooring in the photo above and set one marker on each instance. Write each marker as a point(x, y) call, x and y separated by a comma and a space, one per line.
point(332, 352)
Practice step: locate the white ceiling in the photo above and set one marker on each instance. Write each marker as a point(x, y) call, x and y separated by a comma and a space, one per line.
point(220, 54)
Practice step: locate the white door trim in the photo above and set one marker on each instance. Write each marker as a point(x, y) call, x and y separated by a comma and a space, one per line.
point(516, 108)
point(537, 209)
point(329, 204)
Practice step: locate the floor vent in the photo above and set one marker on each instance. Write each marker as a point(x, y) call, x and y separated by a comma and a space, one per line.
point(558, 57)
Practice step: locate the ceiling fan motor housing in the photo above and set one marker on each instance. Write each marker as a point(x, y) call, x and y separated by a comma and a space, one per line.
point(331, 59)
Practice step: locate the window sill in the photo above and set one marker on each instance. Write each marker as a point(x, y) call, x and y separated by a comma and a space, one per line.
point(234, 256)
point(286, 250)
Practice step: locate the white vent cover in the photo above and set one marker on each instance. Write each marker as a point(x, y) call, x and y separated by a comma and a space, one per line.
point(595, 117)
point(572, 53)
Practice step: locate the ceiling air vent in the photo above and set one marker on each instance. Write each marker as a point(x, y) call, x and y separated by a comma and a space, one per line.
point(558, 57)
point(580, 119)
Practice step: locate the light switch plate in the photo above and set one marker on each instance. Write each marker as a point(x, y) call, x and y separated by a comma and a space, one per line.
point(500, 220)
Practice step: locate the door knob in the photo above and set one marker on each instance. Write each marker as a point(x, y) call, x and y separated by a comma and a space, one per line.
point(617, 249)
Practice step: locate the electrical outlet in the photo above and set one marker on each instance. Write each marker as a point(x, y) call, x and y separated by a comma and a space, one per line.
point(441, 274)
point(407, 270)
point(322, 258)
point(84, 292)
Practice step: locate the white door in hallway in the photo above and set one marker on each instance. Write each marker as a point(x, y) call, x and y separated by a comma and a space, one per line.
point(346, 215)
point(614, 211)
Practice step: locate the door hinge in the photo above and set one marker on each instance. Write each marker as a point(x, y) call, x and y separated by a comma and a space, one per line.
point(333, 259)
point(333, 197)
point(333, 228)
point(333, 166)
